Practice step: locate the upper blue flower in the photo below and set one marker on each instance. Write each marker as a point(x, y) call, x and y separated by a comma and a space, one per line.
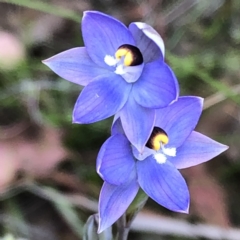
point(173, 145)
point(124, 72)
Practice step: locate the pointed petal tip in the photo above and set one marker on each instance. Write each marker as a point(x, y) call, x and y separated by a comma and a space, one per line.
point(76, 120)
point(184, 210)
point(73, 119)
point(45, 61)
point(137, 132)
point(224, 148)
point(99, 229)
point(220, 148)
point(48, 61)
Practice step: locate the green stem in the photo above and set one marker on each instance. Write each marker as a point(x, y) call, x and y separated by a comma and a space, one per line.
point(123, 230)
point(46, 8)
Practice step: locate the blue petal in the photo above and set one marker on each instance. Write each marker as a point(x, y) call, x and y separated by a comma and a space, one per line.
point(101, 99)
point(197, 149)
point(115, 162)
point(164, 184)
point(103, 35)
point(137, 122)
point(157, 87)
point(113, 202)
point(179, 119)
point(117, 126)
point(148, 41)
point(75, 66)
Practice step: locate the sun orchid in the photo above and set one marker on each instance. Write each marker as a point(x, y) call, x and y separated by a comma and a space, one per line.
point(172, 145)
point(123, 71)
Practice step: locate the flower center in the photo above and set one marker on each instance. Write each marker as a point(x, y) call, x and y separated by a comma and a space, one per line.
point(156, 146)
point(128, 62)
point(158, 137)
point(131, 55)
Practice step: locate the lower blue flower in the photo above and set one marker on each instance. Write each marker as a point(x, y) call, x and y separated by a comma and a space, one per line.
point(172, 145)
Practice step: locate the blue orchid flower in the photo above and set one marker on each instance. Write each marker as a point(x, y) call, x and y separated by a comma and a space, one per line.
point(172, 145)
point(123, 71)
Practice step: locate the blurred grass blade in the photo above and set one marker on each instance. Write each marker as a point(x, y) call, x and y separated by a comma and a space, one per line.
point(64, 207)
point(46, 8)
point(14, 221)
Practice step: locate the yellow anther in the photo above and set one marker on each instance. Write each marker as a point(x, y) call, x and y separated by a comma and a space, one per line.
point(127, 54)
point(121, 53)
point(158, 140)
point(158, 137)
point(131, 54)
point(128, 60)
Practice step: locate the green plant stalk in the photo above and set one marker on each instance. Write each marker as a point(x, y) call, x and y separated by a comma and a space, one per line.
point(123, 230)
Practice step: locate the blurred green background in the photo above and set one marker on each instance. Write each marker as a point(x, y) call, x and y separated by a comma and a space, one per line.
point(48, 182)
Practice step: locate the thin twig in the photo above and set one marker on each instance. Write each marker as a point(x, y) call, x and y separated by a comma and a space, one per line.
point(179, 10)
point(219, 97)
point(153, 223)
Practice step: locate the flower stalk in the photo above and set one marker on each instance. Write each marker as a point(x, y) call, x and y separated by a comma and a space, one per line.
point(123, 229)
